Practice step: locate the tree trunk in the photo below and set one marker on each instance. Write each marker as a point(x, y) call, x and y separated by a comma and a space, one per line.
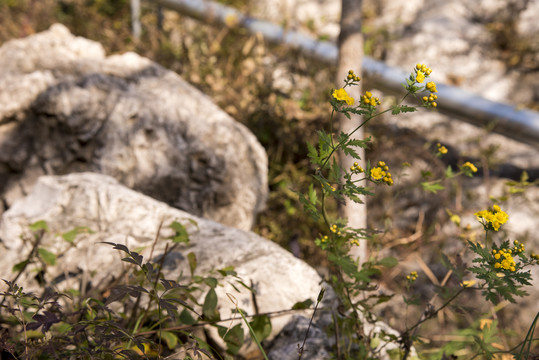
point(350, 58)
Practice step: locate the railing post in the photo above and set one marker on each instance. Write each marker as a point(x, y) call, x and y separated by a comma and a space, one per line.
point(136, 28)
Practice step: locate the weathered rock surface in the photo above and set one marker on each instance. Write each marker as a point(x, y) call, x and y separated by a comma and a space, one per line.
point(65, 107)
point(120, 215)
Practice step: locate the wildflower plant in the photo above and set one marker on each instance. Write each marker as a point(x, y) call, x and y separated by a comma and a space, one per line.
point(498, 269)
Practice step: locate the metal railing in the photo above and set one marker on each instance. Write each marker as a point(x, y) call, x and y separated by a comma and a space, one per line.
point(521, 125)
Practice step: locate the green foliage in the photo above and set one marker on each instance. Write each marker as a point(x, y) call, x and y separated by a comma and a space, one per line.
point(44, 326)
point(502, 282)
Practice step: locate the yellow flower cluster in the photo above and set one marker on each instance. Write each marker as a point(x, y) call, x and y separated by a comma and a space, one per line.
point(535, 256)
point(519, 247)
point(420, 76)
point(351, 76)
point(369, 99)
point(423, 68)
point(324, 239)
point(505, 258)
point(381, 172)
point(412, 277)
point(342, 95)
point(430, 100)
point(335, 229)
point(441, 149)
point(492, 218)
point(431, 86)
point(470, 166)
point(354, 242)
point(356, 169)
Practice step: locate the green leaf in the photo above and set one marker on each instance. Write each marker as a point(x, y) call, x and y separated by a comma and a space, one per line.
point(71, 235)
point(350, 152)
point(313, 198)
point(39, 225)
point(261, 326)
point(192, 258)
point(233, 337)
point(211, 282)
point(313, 154)
point(388, 262)
point(170, 339)
point(321, 295)
point(347, 265)
point(360, 143)
point(181, 235)
point(48, 257)
point(449, 172)
point(20, 266)
point(209, 309)
point(302, 305)
point(186, 318)
point(432, 186)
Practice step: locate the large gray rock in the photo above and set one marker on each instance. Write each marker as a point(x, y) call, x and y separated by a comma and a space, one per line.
point(120, 215)
point(66, 107)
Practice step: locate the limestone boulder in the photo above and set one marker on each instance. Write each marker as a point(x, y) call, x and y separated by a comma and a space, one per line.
point(66, 107)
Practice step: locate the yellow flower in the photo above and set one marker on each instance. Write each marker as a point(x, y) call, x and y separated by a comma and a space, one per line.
point(342, 95)
point(492, 219)
point(470, 166)
point(369, 100)
point(484, 322)
point(377, 173)
point(442, 149)
point(468, 283)
point(455, 219)
point(420, 77)
point(431, 86)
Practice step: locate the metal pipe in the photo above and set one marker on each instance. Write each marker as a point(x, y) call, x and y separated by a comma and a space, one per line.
point(521, 125)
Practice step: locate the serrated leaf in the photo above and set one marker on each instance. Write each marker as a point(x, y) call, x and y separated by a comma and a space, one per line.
point(345, 263)
point(362, 143)
point(432, 187)
point(350, 152)
point(313, 153)
point(48, 257)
